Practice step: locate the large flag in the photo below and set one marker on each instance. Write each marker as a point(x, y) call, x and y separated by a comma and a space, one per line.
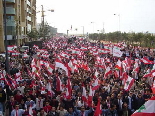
point(128, 83)
point(146, 61)
point(60, 64)
point(148, 109)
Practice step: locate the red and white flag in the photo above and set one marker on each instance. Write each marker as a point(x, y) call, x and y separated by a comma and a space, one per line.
point(128, 83)
point(90, 97)
point(148, 109)
point(69, 89)
point(60, 64)
point(84, 96)
point(146, 61)
point(25, 55)
point(59, 84)
point(136, 67)
point(18, 76)
point(50, 68)
point(107, 72)
point(96, 84)
point(12, 48)
point(118, 65)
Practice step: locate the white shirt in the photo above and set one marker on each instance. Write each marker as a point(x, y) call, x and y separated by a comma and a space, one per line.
point(39, 103)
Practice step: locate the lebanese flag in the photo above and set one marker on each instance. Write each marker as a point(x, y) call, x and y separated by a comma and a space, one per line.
point(118, 65)
point(107, 72)
point(90, 97)
point(96, 84)
point(12, 48)
point(148, 109)
point(60, 64)
point(69, 89)
point(146, 61)
point(98, 111)
point(96, 74)
point(59, 84)
point(84, 96)
point(116, 73)
point(128, 83)
point(50, 68)
point(18, 76)
point(136, 67)
point(64, 55)
point(148, 73)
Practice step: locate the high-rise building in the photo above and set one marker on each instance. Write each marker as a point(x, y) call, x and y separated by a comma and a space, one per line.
point(20, 19)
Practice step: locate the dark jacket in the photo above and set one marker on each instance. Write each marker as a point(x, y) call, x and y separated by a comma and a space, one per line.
point(52, 114)
point(2, 96)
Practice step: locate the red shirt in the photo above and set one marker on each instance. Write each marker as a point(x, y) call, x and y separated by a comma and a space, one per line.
point(18, 98)
point(47, 108)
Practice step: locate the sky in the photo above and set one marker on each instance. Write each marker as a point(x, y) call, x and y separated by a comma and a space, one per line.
point(92, 16)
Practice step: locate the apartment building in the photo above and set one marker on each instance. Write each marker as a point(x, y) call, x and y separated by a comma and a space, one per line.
point(20, 19)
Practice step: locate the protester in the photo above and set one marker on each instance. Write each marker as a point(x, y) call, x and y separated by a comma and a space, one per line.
point(77, 77)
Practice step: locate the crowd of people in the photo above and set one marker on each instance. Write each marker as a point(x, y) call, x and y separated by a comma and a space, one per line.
point(77, 78)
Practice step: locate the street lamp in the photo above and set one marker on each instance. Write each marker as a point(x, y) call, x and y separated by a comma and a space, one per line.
point(118, 20)
point(6, 41)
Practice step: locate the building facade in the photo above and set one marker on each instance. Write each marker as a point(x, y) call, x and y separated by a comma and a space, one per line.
point(20, 19)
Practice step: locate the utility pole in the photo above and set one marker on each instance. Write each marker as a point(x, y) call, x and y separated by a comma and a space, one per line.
point(6, 41)
point(43, 24)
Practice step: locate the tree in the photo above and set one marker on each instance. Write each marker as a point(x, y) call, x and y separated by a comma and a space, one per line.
point(33, 34)
point(44, 30)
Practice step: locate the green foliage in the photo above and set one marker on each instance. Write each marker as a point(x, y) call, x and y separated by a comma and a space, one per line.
point(44, 30)
point(135, 39)
point(33, 34)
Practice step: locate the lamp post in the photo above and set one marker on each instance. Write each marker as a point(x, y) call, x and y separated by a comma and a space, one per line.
point(6, 42)
point(118, 20)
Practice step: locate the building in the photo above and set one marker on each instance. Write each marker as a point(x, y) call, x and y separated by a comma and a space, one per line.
point(20, 19)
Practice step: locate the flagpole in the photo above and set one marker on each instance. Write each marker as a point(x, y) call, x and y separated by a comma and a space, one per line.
point(6, 41)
